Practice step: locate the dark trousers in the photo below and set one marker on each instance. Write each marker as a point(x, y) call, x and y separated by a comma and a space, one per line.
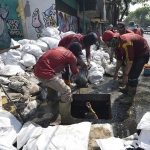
point(136, 70)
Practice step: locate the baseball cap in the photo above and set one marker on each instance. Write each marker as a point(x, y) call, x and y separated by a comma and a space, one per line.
point(107, 35)
point(120, 25)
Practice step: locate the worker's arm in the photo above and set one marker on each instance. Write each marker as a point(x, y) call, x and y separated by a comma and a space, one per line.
point(88, 56)
point(111, 54)
point(73, 64)
point(126, 72)
point(119, 63)
point(81, 62)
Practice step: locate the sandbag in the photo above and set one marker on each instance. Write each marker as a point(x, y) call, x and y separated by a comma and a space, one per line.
point(50, 41)
point(28, 60)
point(32, 49)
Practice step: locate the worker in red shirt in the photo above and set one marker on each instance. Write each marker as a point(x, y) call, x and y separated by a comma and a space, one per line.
point(54, 61)
point(121, 28)
point(86, 41)
point(136, 51)
point(132, 26)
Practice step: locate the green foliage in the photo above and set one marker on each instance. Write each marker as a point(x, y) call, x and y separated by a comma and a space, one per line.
point(140, 16)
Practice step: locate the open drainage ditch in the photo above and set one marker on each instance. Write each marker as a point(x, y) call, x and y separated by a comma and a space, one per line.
point(101, 104)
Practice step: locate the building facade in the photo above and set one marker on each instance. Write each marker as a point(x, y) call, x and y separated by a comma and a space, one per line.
point(27, 18)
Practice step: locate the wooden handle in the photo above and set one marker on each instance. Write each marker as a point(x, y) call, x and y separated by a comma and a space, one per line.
point(7, 49)
point(15, 47)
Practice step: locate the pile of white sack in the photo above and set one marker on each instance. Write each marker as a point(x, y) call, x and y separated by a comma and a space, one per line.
point(15, 62)
point(70, 137)
point(133, 142)
point(31, 136)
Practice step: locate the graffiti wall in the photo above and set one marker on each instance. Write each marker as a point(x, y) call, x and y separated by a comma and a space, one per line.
point(10, 23)
point(67, 22)
point(39, 15)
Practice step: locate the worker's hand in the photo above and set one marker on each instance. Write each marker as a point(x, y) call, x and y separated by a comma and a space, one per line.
point(63, 71)
point(89, 65)
point(79, 67)
point(125, 79)
point(116, 76)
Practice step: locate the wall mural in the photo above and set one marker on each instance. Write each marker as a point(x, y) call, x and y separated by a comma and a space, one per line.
point(49, 19)
point(9, 25)
point(49, 16)
point(67, 22)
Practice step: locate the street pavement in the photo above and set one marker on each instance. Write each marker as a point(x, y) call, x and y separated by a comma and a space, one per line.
point(147, 37)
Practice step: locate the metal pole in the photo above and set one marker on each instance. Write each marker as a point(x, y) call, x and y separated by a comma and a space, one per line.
point(9, 99)
point(84, 32)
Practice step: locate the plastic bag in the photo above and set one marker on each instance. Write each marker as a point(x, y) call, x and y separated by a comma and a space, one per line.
point(81, 78)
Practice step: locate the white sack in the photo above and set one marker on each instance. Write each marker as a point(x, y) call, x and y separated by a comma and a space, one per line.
point(24, 41)
point(69, 137)
point(9, 126)
point(32, 49)
point(144, 124)
point(83, 59)
point(95, 74)
point(106, 55)
point(143, 140)
point(15, 43)
point(111, 143)
point(50, 41)
point(93, 47)
point(44, 47)
point(29, 130)
point(1, 64)
point(94, 66)
point(110, 69)
point(51, 32)
point(3, 56)
point(96, 58)
point(11, 70)
point(63, 34)
point(95, 77)
point(104, 62)
point(13, 57)
point(28, 60)
point(4, 145)
point(4, 80)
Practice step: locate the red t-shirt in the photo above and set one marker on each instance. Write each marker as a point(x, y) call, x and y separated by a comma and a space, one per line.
point(131, 46)
point(129, 31)
point(54, 61)
point(67, 40)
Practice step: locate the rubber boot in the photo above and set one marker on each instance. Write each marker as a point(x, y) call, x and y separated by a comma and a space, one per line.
point(54, 99)
point(123, 89)
point(65, 113)
point(130, 96)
